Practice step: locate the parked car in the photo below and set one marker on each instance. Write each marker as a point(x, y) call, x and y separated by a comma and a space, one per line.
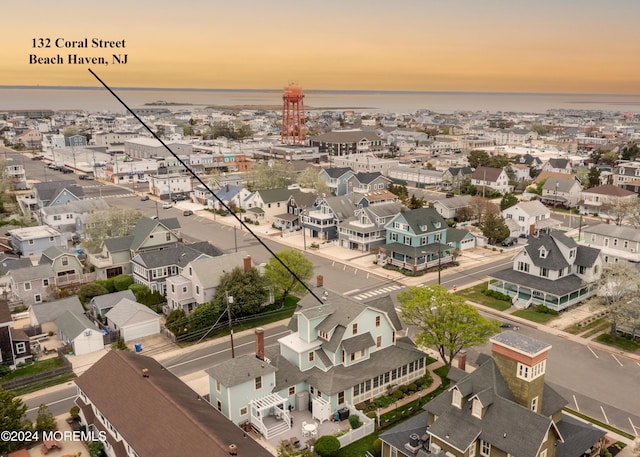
point(187, 212)
point(87, 177)
point(144, 198)
point(167, 205)
point(53, 166)
point(450, 195)
point(37, 158)
point(180, 197)
point(65, 170)
point(510, 241)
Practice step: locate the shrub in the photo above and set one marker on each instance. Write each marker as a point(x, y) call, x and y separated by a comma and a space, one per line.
point(545, 310)
point(122, 282)
point(397, 395)
point(108, 284)
point(412, 388)
point(354, 421)
point(327, 446)
point(88, 291)
point(74, 412)
point(377, 447)
point(495, 294)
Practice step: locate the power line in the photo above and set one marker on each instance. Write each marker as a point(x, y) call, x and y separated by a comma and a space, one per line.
point(197, 178)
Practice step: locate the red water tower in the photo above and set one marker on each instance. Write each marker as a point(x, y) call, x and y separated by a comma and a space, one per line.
point(293, 129)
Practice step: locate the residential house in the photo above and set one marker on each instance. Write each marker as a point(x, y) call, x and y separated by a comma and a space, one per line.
point(7, 264)
point(30, 139)
point(531, 161)
point(417, 177)
point(231, 195)
point(558, 165)
point(32, 285)
point(376, 197)
point(153, 395)
point(152, 268)
point(528, 218)
point(101, 304)
point(366, 182)
point(148, 234)
point(298, 202)
point(336, 179)
point(616, 242)
point(552, 270)
point(322, 222)
point(14, 347)
point(460, 239)
point(626, 174)
point(448, 207)
point(15, 174)
point(165, 186)
point(68, 219)
point(492, 179)
point(348, 142)
point(66, 265)
point(54, 193)
point(45, 314)
point(521, 172)
point(416, 240)
point(340, 352)
point(133, 320)
point(564, 192)
point(602, 200)
point(32, 241)
point(271, 201)
point(366, 228)
point(79, 334)
point(455, 177)
point(197, 282)
point(364, 163)
point(504, 407)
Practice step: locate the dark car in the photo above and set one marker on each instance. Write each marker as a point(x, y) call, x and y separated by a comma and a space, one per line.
point(86, 177)
point(37, 158)
point(179, 197)
point(187, 212)
point(65, 170)
point(510, 241)
point(450, 195)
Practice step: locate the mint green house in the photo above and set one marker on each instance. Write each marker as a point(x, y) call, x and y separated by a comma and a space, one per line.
point(340, 352)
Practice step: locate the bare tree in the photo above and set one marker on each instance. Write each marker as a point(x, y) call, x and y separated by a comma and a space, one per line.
point(108, 223)
point(482, 207)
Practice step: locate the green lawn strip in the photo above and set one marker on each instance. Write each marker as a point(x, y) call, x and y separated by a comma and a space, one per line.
point(598, 423)
point(604, 326)
point(33, 368)
point(358, 448)
point(475, 295)
point(576, 329)
point(533, 315)
point(34, 386)
point(621, 342)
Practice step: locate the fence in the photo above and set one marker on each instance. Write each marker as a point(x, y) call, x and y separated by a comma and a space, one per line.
point(368, 427)
point(24, 380)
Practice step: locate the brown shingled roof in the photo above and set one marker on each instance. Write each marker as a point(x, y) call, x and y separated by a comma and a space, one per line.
point(159, 415)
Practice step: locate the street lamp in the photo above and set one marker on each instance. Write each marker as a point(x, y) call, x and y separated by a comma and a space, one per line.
point(555, 199)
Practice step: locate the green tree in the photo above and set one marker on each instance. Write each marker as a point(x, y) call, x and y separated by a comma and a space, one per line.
point(248, 289)
point(327, 446)
point(539, 129)
point(415, 203)
point(96, 448)
point(270, 176)
point(399, 190)
point(45, 420)
point(494, 228)
point(630, 152)
point(201, 320)
point(108, 223)
point(122, 282)
point(593, 177)
point(508, 201)
point(88, 291)
point(478, 157)
point(13, 417)
point(499, 161)
point(177, 322)
point(283, 281)
point(445, 321)
point(609, 157)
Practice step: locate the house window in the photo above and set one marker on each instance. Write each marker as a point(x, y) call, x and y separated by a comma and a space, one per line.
point(218, 386)
point(184, 289)
point(534, 404)
point(27, 286)
point(21, 348)
point(523, 371)
point(615, 241)
point(560, 272)
point(37, 298)
point(485, 448)
point(379, 341)
point(476, 410)
point(65, 261)
point(168, 236)
point(219, 405)
point(523, 266)
point(258, 383)
point(341, 398)
point(456, 398)
point(244, 410)
point(197, 290)
point(625, 244)
point(45, 282)
point(394, 236)
point(606, 242)
point(593, 238)
point(543, 253)
point(31, 242)
point(292, 390)
point(394, 452)
point(311, 356)
point(377, 321)
point(521, 218)
point(354, 329)
point(472, 450)
point(407, 241)
point(544, 272)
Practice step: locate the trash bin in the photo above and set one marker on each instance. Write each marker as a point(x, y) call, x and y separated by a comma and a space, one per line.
point(138, 347)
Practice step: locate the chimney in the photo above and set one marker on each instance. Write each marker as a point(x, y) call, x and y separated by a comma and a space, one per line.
point(259, 343)
point(319, 281)
point(233, 449)
point(462, 360)
point(226, 188)
point(246, 265)
point(145, 372)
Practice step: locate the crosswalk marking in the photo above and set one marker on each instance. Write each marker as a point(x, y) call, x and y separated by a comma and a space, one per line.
point(380, 291)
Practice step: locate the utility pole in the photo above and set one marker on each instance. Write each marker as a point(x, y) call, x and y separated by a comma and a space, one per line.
point(439, 260)
point(229, 303)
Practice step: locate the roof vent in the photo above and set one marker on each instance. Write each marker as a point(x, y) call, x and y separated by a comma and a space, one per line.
point(145, 372)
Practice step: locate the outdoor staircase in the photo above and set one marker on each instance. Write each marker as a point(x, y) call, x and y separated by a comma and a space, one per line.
point(275, 430)
point(520, 303)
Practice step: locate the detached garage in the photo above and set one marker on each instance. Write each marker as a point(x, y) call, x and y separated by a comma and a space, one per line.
point(133, 320)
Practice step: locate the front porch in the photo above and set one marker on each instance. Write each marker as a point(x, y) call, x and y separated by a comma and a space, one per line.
point(270, 415)
point(416, 258)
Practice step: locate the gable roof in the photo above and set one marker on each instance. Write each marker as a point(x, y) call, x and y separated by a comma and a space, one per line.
point(239, 370)
point(53, 252)
point(49, 312)
point(209, 270)
point(609, 190)
point(346, 136)
point(110, 300)
point(558, 163)
point(533, 208)
point(49, 190)
point(304, 199)
point(337, 172)
point(553, 258)
point(180, 255)
point(275, 195)
point(489, 174)
point(623, 232)
point(78, 206)
point(146, 225)
point(32, 273)
point(195, 426)
point(9, 263)
point(563, 185)
point(423, 220)
point(128, 312)
point(459, 201)
point(121, 243)
point(73, 324)
point(342, 206)
point(369, 177)
point(553, 174)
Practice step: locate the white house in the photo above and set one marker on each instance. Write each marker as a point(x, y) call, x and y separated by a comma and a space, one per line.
point(78, 333)
point(134, 320)
point(528, 218)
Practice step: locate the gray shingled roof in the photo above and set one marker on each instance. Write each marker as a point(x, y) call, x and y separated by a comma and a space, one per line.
point(346, 136)
point(146, 225)
point(32, 273)
point(209, 270)
point(121, 243)
point(586, 256)
point(80, 206)
point(564, 185)
point(578, 436)
point(240, 370)
point(553, 258)
point(275, 195)
point(342, 207)
point(623, 232)
point(336, 172)
point(521, 342)
point(110, 300)
point(48, 312)
point(489, 174)
point(557, 287)
point(424, 220)
point(180, 255)
point(73, 324)
point(128, 312)
point(358, 343)
point(369, 177)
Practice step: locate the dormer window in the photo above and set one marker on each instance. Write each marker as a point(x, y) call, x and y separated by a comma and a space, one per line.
point(476, 408)
point(543, 253)
point(572, 253)
point(437, 224)
point(456, 398)
point(324, 335)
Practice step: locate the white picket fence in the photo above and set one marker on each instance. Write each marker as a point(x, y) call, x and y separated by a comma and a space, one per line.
point(368, 427)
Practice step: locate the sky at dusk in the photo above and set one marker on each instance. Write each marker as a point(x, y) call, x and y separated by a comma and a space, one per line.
point(564, 46)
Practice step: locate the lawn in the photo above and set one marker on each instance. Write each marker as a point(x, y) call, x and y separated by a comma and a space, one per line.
point(475, 295)
point(576, 329)
point(358, 448)
point(534, 316)
point(33, 368)
point(621, 342)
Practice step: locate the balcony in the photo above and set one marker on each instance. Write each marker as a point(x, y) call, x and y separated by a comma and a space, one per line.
point(99, 261)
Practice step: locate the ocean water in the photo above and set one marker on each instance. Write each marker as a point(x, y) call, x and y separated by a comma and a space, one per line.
point(100, 100)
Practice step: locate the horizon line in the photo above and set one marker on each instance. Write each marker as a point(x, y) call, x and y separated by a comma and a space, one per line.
point(363, 91)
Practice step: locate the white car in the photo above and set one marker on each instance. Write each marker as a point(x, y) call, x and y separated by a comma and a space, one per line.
point(166, 205)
